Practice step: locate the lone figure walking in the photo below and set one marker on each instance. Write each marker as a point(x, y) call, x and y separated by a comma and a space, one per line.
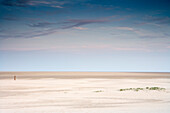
point(15, 77)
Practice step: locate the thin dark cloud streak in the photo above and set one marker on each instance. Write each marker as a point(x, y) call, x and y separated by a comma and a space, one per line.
point(31, 34)
point(24, 3)
point(18, 3)
point(158, 20)
point(73, 22)
point(77, 23)
point(42, 24)
point(21, 19)
point(10, 18)
point(51, 30)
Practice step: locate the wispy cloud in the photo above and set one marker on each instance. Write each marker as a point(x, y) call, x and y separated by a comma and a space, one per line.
point(132, 49)
point(158, 20)
point(31, 34)
point(80, 28)
point(42, 24)
point(19, 3)
point(11, 18)
point(112, 48)
point(72, 23)
point(52, 3)
point(78, 48)
point(24, 3)
point(14, 18)
point(57, 6)
point(22, 49)
point(142, 33)
point(124, 28)
point(78, 22)
point(128, 29)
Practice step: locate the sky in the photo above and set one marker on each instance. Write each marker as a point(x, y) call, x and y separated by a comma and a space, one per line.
point(85, 35)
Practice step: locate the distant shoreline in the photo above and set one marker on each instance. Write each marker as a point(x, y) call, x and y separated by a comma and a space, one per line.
point(87, 71)
point(83, 75)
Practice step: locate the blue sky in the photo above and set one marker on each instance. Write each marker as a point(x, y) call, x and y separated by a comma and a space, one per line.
point(85, 35)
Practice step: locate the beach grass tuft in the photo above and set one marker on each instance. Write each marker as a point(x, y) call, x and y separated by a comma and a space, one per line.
point(147, 88)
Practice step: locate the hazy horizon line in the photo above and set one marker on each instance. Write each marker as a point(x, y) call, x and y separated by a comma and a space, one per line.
point(98, 71)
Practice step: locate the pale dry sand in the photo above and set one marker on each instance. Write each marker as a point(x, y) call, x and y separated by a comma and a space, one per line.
point(83, 92)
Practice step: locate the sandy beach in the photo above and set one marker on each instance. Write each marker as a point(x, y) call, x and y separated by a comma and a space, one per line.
point(83, 92)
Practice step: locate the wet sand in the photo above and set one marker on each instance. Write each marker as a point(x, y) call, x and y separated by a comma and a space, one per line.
point(83, 92)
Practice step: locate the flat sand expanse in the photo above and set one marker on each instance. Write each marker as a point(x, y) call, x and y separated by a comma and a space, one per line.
point(83, 92)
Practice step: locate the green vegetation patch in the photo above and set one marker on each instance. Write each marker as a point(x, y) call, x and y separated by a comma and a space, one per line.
point(146, 88)
point(98, 91)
